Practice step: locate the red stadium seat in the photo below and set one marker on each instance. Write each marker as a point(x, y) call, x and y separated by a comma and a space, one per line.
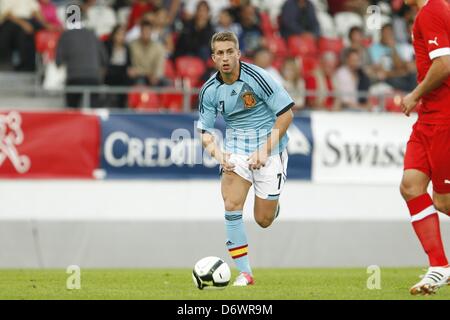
point(278, 63)
point(277, 46)
point(309, 64)
point(210, 64)
point(191, 68)
point(367, 42)
point(104, 37)
point(172, 101)
point(246, 59)
point(303, 45)
point(374, 101)
point(267, 27)
point(335, 45)
point(169, 70)
point(46, 42)
point(146, 100)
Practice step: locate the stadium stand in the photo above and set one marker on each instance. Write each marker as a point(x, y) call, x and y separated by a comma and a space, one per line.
point(188, 66)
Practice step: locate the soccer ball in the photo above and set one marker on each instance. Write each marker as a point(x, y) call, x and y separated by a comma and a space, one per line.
point(211, 273)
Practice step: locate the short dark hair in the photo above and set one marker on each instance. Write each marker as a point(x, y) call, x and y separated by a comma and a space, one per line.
point(145, 23)
point(354, 29)
point(387, 25)
point(348, 52)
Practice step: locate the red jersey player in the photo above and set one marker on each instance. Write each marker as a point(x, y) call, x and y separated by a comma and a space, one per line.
point(428, 151)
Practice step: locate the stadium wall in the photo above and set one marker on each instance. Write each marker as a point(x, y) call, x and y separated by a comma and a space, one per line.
point(123, 190)
point(125, 224)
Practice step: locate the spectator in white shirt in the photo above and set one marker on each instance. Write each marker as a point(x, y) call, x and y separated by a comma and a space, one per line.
point(293, 82)
point(351, 80)
point(19, 20)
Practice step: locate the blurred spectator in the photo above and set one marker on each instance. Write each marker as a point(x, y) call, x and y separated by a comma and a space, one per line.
point(321, 84)
point(298, 17)
point(215, 6)
point(389, 62)
point(119, 67)
point(264, 58)
point(226, 23)
point(195, 37)
point(162, 31)
point(252, 35)
point(350, 80)
point(272, 7)
point(358, 43)
point(100, 17)
point(235, 9)
point(293, 82)
point(85, 59)
point(173, 8)
point(19, 20)
point(403, 18)
point(320, 5)
point(135, 32)
point(358, 6)
point(397, 5)
point(138, 9)
point(48, 11)
point(148, 58)
point(119, 4)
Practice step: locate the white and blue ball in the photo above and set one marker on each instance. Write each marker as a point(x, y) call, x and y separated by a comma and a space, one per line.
point(211, 273)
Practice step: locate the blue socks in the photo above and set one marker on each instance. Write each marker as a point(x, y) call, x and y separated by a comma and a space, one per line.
point(237, 240)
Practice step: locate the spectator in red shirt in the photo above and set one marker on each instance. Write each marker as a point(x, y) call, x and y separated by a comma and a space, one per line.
point(138, 9)
point(48, 11)
point(320, 82)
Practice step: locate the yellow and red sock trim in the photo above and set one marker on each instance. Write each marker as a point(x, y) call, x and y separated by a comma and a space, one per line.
point(238, 251)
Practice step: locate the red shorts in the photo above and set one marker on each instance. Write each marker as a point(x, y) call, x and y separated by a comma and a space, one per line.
point(428, 150)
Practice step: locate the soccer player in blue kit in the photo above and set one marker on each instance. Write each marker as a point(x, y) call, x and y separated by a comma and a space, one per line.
point(257, 112)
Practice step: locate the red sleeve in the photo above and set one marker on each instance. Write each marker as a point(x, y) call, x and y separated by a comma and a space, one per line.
point(436, 33)
point(310, 85)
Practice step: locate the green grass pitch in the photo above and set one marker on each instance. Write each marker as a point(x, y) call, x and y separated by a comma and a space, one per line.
point(176, 284)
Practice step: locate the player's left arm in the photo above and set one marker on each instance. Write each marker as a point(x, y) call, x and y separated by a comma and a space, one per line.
point(438, 41)
point(280, 103)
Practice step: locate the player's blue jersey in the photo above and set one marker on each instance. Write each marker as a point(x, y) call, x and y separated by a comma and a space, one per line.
point(249, 107)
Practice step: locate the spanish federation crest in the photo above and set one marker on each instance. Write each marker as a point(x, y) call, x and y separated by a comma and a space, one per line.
point(249, 99)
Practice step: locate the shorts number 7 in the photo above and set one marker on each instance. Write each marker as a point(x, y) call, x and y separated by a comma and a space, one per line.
point(279, 180)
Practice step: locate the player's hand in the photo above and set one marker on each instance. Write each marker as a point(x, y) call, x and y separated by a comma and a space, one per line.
point(257, 160)
point(224, 161)
point(409, 102)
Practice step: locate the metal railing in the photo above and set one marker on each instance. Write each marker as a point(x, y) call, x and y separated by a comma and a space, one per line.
point(186, 92)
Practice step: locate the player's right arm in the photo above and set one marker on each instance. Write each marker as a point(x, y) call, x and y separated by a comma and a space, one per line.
point(205, 124)
point(214, 151)
point(436, 34)
point(437, 74)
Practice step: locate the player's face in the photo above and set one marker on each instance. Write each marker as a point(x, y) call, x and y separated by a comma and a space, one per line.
point(226, 56)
